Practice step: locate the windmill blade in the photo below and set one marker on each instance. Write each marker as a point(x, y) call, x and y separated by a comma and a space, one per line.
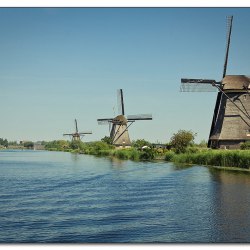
point(68, 134)
point(104, 121)
point(120, 102)
point(85, 132)
point(140, 117)
point(198, 85)
point(76, 126)
point(229, 28)
point(205, 81)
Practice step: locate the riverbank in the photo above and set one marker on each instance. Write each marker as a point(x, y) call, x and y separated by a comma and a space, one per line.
point(192, 155)
point(220, 158)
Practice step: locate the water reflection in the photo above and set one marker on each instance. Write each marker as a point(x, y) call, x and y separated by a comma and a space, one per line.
point(75, 157)
point(116, 163)
point(231, 205)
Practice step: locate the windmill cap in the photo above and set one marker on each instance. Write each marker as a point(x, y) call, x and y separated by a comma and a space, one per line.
point(236, 82)
point(120, 119)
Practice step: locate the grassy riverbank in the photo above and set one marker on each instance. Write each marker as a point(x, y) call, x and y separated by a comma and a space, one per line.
point(193, 155)
point(223, 158)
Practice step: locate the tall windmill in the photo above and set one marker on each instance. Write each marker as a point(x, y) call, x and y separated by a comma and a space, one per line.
point(120, 124)
point(231, 120)
point(77, 135)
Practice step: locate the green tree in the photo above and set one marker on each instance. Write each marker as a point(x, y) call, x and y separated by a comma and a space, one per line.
point(148, 154)
point(59, 145)
point(138, 144)
point(28, 144)
point(76, 144)
point(107, 139)
point(4, 142)
point(13, 143)
point(181, 140)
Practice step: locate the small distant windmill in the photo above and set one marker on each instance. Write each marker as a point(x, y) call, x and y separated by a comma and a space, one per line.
point(120, 124)
point(231, 120)
point(77, 135)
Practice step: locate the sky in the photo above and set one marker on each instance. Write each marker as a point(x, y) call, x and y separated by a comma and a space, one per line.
point(61, 64)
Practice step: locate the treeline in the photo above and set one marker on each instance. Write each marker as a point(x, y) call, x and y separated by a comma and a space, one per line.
point(4, 143)
point(102, 148)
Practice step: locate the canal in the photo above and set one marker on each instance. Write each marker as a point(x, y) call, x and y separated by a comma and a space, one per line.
point(58, 197)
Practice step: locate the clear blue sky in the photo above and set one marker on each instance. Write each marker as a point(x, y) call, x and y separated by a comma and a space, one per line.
point(58, 64)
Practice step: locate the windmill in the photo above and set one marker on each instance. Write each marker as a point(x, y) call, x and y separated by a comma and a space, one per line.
point(119, 130)
point(77, 135)
point(231, 120)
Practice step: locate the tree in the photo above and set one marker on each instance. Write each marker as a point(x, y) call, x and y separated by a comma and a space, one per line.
point(76, 144)
point(107, 139)
point(140, 143)
point(4, 142)
point(181, 140)
point(28, 144)
point(57, 145)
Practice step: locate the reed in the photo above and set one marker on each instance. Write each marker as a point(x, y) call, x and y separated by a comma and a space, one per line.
point(127, 154)
point(225, 158)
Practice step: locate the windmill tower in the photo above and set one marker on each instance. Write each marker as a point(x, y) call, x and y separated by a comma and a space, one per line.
point(120, 124)
point(77, 136)
point(231, 120)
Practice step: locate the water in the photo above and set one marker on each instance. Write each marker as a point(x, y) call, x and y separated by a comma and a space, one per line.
point(56, 197)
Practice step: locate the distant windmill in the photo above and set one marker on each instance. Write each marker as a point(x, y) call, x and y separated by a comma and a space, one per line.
point(120, 124)
point(231, 120)
point(77, 136)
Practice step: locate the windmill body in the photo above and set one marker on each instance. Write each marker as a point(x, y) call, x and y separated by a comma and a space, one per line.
point(231, 119)
point(119, 125)
point(231, 126)
point(119, 132)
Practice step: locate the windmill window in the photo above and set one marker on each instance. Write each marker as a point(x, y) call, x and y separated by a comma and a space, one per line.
point(245, 97)
point(248, 132)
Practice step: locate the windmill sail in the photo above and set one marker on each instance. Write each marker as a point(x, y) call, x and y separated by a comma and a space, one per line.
point(85, 132)
point(120, 102)
point(76, 126)
point(140, 117)
point(197, 85)
point(104, 121)
point(229, 24)
point(219, 96)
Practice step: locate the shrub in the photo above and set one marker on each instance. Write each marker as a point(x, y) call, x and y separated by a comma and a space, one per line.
point(138, 144)
point(245, 145)
point(181, 140)
point(147, 154)
point(169, 156)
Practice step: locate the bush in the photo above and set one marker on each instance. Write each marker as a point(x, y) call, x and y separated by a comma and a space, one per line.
point(147, 154)
point(96, 148)
point(169, 156)
point(57, 145)
point(28, 144)
point(245, 145)
point(138, 144)
point(107, 139)
point(181, 140)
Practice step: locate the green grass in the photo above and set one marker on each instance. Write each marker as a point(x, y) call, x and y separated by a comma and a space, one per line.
point(225, 158)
